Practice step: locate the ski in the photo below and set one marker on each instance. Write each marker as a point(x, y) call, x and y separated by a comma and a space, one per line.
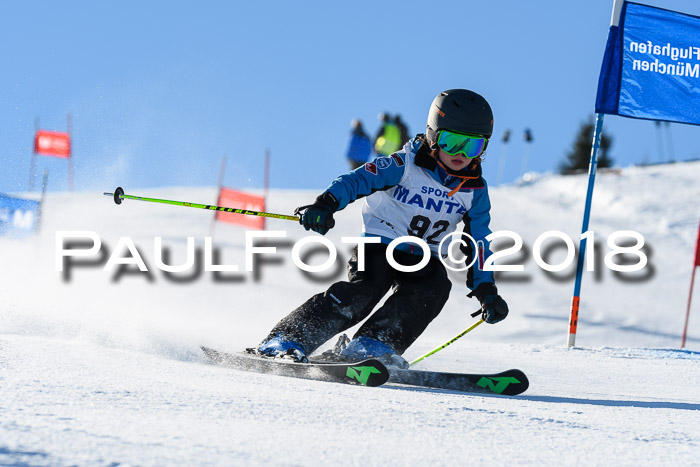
point(369, 372)
point(506, 383)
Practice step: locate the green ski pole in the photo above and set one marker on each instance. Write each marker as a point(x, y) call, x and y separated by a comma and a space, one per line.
point(119, 196)
point(446, 343)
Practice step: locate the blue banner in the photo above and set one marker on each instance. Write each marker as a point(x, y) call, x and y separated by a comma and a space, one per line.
point(651, 66)
point(18, 217)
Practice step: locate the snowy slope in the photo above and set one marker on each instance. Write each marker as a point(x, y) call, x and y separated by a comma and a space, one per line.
point(98, 369)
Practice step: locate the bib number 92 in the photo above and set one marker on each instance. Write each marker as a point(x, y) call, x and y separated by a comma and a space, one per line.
point(421, 226)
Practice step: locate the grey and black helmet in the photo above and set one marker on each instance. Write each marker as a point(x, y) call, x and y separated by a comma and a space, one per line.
point(461, 111)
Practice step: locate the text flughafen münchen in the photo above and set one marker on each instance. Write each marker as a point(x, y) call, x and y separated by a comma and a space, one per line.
point(676, 54)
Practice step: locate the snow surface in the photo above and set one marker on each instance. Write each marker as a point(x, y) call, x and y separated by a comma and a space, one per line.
point(98, 369)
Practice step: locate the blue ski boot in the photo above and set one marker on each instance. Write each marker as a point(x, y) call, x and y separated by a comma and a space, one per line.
point(364, 347)
point(279, 347)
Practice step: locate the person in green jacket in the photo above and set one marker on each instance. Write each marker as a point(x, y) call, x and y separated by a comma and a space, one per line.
point(388, 139)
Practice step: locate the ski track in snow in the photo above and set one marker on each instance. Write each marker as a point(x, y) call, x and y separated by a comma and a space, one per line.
point(105, 371)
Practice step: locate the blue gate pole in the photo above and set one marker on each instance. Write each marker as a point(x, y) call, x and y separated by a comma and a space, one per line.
point(593, 165)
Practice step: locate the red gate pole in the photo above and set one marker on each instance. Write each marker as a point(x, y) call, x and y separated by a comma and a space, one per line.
point(696, 263)
point(266, 181)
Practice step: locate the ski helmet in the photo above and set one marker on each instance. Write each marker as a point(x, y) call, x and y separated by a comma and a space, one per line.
point(462, 111)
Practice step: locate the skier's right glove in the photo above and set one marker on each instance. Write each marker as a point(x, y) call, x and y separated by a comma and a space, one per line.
point(493, 307)
point(318, 216)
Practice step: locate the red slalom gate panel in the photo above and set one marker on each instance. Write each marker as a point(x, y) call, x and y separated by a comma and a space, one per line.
point(240, 200)
point(52, 143)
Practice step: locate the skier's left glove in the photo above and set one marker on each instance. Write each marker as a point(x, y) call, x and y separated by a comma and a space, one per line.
point(493, 307)
point(318, 216)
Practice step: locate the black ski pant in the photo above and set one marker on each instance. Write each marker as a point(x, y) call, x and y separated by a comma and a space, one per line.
point(417, 298)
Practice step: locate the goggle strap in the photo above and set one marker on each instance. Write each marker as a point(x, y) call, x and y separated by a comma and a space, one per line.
point(457, 188)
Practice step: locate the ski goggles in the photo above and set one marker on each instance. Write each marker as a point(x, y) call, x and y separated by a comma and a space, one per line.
point(470, 146)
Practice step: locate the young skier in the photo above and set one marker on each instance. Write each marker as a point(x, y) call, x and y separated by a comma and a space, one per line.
point(423, 190)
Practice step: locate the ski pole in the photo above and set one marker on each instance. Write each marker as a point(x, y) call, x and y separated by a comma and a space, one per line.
point(119, 196)
point(447, 343)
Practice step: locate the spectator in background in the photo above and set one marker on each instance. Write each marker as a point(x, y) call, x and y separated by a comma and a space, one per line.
point(388, 139)
point(403, 129)
point(360, 147)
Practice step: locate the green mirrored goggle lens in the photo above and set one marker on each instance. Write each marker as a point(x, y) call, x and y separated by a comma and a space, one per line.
point(467, 145)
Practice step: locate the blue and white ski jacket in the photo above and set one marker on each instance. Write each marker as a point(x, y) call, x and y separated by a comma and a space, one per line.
point(406, 194)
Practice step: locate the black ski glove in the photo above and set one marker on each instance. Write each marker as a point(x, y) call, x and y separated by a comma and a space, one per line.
point(493, 307)
point(318, 216)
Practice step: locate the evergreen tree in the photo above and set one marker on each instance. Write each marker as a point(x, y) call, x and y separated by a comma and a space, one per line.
point(580, 155)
